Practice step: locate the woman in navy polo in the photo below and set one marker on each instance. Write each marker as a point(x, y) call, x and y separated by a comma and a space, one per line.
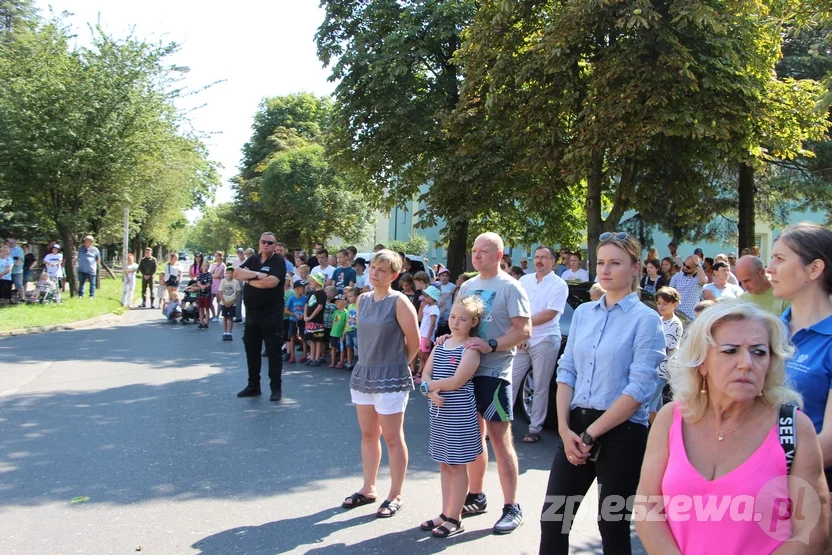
point(801, 272)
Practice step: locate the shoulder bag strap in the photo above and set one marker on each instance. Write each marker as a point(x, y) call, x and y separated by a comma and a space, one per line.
point(787, 432)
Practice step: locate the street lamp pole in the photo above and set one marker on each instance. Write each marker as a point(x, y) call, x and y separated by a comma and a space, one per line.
point(126, 248)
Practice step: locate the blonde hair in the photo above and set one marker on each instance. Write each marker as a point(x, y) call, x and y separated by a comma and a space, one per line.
point(474, 306)
point(386, 256)
point(685, 379)
point(633, 249)
point(596, 291)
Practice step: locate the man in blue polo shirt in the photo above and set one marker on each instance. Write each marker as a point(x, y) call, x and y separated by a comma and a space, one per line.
point(88, 257)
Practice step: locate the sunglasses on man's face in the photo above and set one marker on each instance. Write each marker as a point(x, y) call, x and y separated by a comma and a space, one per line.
point(264, 242)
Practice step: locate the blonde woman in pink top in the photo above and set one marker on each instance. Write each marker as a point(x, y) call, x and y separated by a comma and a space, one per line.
point(719, 443)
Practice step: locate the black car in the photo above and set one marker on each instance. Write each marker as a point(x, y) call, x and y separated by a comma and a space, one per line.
point(578, 295)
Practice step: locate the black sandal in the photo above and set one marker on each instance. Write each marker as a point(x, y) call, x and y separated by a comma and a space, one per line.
point(357, 500)
point(392, 506)
point(444, 532)
point(532, 437)
point(429, 525)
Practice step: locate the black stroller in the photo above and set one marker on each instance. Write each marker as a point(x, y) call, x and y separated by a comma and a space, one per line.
point(190, 310)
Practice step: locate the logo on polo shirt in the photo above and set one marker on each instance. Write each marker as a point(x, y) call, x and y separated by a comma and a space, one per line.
point(265, 269)
point(802, 358)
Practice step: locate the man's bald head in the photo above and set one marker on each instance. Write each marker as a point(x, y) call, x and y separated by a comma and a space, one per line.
point(751, 274)
point(487, 253)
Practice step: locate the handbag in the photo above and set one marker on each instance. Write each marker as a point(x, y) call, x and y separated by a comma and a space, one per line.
point(172, 281)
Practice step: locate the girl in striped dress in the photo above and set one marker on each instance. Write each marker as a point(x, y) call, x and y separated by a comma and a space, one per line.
point(454, 428)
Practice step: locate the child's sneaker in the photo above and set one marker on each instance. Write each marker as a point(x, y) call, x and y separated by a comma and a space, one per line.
point(230, 337)
point(332, 364)
point(339, 365)
point(291, 360)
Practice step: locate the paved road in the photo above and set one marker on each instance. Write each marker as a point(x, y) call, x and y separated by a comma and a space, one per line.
point(142, 418)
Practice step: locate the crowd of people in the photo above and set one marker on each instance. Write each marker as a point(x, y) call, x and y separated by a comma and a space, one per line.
point(631, 384)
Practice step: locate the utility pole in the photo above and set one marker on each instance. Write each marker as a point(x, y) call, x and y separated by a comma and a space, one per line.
point(126, 248)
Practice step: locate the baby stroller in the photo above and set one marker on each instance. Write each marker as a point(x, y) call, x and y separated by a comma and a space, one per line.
point(190, 310)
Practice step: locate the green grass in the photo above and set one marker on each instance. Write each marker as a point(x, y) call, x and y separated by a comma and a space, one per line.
point(107, 301)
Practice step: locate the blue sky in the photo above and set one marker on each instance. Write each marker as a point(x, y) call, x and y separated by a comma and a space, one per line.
point(262, 48)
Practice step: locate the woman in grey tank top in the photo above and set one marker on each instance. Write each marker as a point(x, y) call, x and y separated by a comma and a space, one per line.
point(388, 340)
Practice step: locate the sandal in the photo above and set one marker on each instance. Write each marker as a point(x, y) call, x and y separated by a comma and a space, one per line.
point(445, 532)
point(532, 437)
point(392, 507)
point(429, 525)
point(357, 500)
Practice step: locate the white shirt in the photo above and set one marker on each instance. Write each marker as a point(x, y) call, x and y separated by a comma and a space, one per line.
point(445, 299)
point(361, 281)
point(236, 262)
point(548, 294)
point(424, 327)
point(730, 291)
point(328, 271)
point(53, 264)
point(581, 275)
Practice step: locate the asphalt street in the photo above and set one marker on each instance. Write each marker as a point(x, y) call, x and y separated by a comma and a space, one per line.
point(141, 418)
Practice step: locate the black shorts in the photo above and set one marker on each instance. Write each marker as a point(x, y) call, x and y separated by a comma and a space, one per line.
point(295, 329)
point(287, 329)
point(314, 332)
point(326, 334)
point(493, 398)
point(335, 343)
point(228, 311)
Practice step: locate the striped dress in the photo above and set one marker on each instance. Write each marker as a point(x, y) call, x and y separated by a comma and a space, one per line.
point(454, 429)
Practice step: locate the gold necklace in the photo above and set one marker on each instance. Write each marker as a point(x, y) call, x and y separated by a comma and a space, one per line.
point(722, 435)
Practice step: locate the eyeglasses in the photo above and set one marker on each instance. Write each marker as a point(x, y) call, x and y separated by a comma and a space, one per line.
point(264, 242)
point(536, 258)
point(619, 236)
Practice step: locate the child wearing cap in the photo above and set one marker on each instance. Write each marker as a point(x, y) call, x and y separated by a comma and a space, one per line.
point(229, 291)
point(313, 317)
point(351, 329)
point(427, 328)
point(294, 309)
point(360, 278)
point(339, 325)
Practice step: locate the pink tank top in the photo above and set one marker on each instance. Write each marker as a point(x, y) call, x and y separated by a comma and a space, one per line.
point(733, 514)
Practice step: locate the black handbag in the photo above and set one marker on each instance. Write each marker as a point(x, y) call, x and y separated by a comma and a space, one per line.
point(172, 281)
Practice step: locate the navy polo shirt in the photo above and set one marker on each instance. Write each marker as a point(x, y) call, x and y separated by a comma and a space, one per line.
point(810, 369)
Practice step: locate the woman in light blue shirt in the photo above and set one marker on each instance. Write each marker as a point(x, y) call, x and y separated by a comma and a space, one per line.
point(801, 272)
point(605, 378)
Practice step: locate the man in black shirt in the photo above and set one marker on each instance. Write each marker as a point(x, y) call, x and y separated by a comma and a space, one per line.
point(147, 269)
point(265, 276)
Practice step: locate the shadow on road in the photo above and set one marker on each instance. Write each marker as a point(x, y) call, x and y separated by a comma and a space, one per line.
point(184, 438)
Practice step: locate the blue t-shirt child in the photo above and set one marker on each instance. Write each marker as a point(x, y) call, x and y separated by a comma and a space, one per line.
point(295, 305)
point(342, 277)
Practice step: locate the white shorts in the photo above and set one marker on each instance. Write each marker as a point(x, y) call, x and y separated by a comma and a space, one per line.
point(385, 403)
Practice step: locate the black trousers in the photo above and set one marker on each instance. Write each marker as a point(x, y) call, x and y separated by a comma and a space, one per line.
point(147, 284)
point(264, 327)
point(618, 468)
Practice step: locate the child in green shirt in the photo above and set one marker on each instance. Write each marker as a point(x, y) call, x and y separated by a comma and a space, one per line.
point(339, 324)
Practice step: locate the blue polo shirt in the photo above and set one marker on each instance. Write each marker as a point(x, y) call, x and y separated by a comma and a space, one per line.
point(810, 369)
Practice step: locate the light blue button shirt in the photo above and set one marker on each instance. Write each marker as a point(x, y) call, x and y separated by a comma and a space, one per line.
point(613, 352)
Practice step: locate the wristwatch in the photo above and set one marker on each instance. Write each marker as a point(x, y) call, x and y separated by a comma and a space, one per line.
point(493, 344)
point(423, 387)
point(587, 439)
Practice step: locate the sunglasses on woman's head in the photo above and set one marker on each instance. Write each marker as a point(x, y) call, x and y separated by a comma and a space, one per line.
point(264, 242)
point(619, 236)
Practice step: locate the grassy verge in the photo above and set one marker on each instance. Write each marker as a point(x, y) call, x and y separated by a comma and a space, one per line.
point(107, 301)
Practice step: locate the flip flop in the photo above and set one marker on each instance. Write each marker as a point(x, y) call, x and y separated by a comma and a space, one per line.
point(357, 500)
point(429, 525)
point(392, 506)
point(531, 438)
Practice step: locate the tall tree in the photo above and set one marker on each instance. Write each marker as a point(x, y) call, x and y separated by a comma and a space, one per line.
point(605, 91)
point(398, 85)
point(16, 15)
point(76, 122)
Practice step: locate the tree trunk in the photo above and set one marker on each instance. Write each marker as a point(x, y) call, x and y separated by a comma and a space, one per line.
point(594, 222)
point(67, 233)
point(745, 224)
point(458, 249)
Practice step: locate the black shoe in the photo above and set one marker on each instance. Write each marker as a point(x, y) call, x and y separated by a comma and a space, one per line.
point(143, 305)
point(276, 396)
point(238, 320)
point(474, 504)
point(249, 391)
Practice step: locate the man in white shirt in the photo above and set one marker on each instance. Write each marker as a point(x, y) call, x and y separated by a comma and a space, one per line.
point(323, 266)
point(720, 288)
point(677, 259)
point(575, 272)
point(547, 294)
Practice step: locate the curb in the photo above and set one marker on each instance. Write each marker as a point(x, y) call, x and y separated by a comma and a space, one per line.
point(63, 327)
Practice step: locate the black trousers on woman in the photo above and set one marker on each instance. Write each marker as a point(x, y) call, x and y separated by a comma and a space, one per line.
point(618, 468)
